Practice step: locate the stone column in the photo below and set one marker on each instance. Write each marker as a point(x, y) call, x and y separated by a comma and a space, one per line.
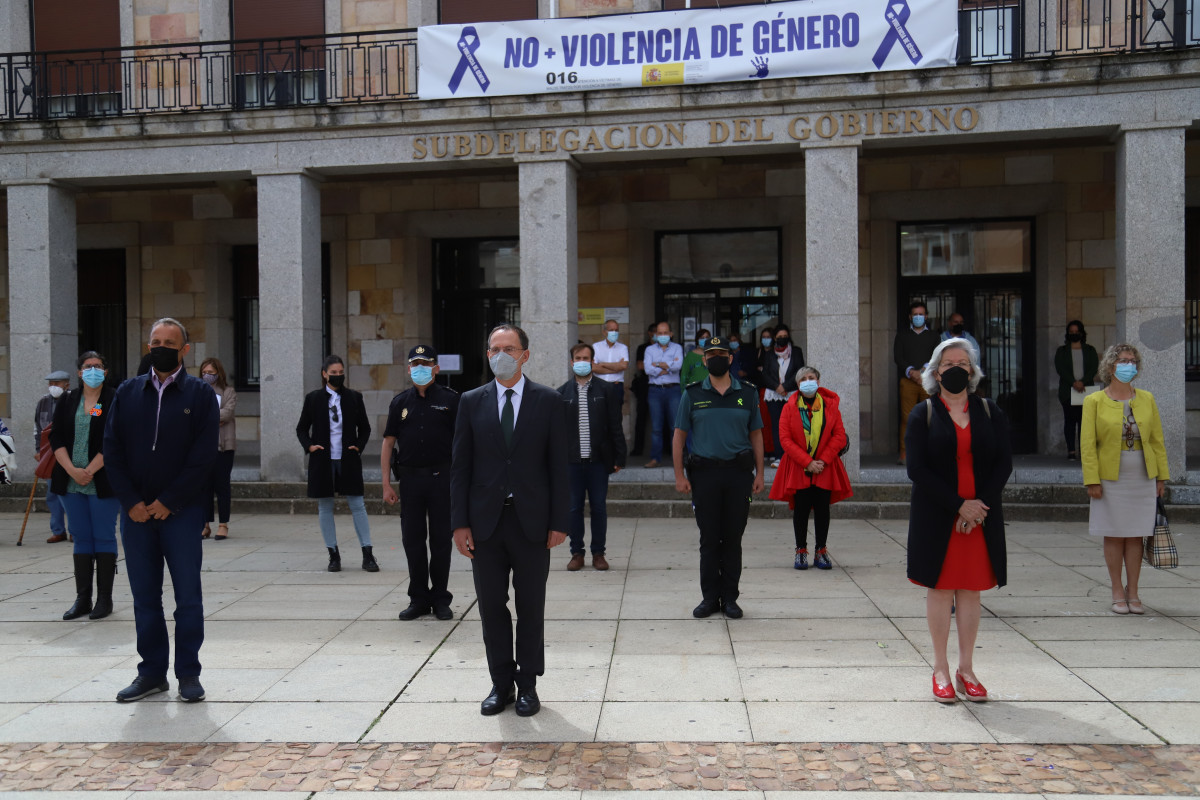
point(289, 308)
point(1150, 270)
point(831, 272)
point(43, 306)
point(549, 266)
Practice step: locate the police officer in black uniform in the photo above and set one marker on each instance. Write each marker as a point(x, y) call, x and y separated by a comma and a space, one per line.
point(724, 469)
point(416, 446)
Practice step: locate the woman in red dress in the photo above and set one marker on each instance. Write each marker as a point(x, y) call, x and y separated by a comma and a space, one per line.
point(959, 459)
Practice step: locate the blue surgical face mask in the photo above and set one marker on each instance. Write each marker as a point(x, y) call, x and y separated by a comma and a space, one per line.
point(701, 341)
point(663, 340)
point(808, 388)
point(612, 336)
point(582, 368)
point(1125, 372)
point(918, 320)
point(733, 344)
point(421, 375)
point(767, 341)
point(93, 376)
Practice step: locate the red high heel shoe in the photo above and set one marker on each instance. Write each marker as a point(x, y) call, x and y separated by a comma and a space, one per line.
point(943, 693)
point(972, 691)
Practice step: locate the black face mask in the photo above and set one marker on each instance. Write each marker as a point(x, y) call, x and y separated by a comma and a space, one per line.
point(164, 359)
point(718, 365)
point(782, 341)
point(955, 380)
point(337, 381)
point(956, 330)
point(1074, 337)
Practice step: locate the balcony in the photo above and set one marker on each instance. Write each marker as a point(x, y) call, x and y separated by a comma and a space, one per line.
point(381, 66)
point(211, 76)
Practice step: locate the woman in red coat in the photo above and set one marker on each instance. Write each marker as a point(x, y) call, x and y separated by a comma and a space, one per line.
point(811, 476)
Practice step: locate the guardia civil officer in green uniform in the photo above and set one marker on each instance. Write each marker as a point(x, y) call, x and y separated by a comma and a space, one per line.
point(724, 469)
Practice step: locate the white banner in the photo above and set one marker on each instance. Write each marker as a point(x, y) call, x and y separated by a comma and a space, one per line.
point(778, 40)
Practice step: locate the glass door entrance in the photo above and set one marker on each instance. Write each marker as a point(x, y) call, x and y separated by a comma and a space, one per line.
point(477, 288)
point(983, 271)
point(722, 281)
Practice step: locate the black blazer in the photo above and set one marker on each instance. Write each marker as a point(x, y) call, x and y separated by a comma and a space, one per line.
point(484, 472)
point(770, 370)
point(62, 434)
point(933, 468)
point(604, 422)
point(313, 428)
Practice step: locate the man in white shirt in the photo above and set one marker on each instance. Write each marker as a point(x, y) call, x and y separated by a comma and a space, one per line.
point(612, 359)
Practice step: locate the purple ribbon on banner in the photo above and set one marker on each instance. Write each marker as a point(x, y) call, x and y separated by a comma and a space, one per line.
point(468, 43)
point(897, 15)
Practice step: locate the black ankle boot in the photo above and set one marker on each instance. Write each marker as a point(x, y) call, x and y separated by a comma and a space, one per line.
point(335, 559)
point(369, 562)
point(83, 587)
point(106, 568)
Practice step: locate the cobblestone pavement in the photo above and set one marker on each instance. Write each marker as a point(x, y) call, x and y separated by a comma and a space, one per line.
point(614, 766)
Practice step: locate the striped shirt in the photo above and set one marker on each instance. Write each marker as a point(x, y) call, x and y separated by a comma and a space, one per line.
point(585, 432)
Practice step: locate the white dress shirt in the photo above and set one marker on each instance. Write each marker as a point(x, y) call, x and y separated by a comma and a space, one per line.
point(518, 389)
point(335, 428)
point(610, 354)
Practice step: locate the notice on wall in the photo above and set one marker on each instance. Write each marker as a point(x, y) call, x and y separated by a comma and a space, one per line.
point(697, 46)
point(598, 316)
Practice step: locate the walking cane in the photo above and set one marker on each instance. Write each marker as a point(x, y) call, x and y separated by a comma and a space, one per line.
point(28, 506)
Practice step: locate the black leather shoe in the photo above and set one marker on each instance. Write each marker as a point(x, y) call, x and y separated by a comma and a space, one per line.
point(142, 687)
point(706, 608)
point(732, 609)
point(497, 701)
point(528, 703)
point(443, 612)
point(413, 611)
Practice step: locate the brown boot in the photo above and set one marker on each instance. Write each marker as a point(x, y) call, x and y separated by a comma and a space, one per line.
point(55, 538)
point(576, 562)
point(600, 562)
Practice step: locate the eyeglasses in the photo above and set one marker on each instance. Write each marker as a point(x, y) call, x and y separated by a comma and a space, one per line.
point(1127, 361)
point(333, 412)
point(512, 351)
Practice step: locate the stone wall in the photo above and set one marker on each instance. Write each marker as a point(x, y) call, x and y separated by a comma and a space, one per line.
point(373, 15)
point(4, 376)
point(159, 22)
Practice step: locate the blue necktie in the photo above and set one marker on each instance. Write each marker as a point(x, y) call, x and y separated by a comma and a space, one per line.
point(506, 418)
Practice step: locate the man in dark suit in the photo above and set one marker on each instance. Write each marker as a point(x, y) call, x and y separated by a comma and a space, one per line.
point(508, 491)
point(597, 450)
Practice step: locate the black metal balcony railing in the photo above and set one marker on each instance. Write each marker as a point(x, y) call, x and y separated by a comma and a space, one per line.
point(382, 65)
point(210, 76)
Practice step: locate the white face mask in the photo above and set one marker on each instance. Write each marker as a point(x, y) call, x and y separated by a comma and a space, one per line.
point(56, 391)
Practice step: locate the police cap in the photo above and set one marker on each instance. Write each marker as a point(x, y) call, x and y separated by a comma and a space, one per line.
point(422, 352)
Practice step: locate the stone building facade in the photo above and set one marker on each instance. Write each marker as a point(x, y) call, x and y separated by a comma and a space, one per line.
point(349, 215)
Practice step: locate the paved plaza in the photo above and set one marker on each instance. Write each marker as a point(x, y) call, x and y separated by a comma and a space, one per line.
point(313, 684)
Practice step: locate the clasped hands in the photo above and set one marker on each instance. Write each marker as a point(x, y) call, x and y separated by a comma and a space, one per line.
point(970, 514)
point(142, 512)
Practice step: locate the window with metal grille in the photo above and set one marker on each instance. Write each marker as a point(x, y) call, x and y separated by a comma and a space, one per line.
point(82, 83)
point(286, 65)
point(247, 365)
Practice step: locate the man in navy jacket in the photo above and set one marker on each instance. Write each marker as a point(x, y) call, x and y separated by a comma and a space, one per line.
point(159, 446)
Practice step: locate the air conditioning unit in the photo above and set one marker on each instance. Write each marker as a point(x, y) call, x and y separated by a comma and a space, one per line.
point(280, 89)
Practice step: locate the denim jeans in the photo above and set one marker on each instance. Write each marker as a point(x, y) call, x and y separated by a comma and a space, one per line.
point(664, 402)
point(176, 542)
point(93, 521)
point(590, 478)
point(54, 504)
point(358, 510)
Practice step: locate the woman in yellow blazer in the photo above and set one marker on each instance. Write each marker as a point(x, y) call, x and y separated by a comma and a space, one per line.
point(1124, 469)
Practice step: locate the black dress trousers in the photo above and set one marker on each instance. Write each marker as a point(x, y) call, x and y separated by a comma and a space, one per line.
point(721, 498)
point(509, 552)
point(424, 496)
